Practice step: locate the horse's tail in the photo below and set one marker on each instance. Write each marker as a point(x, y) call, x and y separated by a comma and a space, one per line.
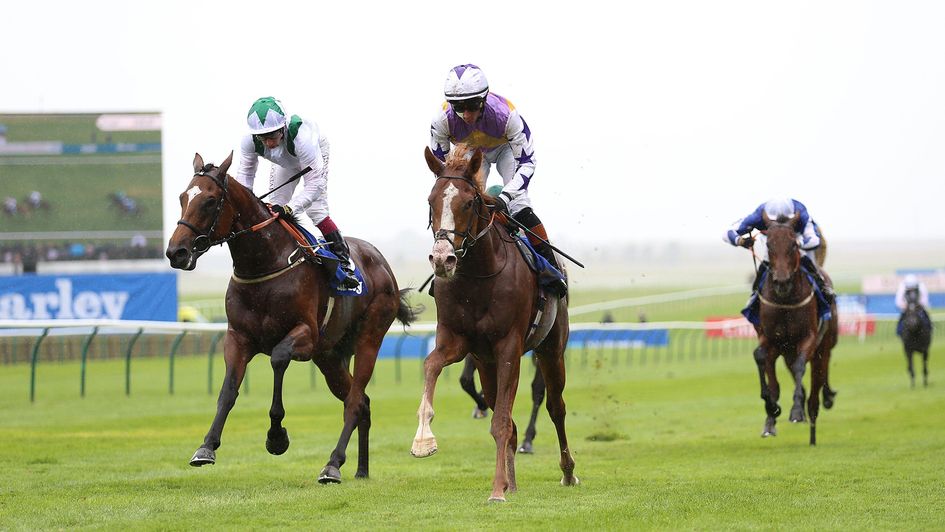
point(405, 313)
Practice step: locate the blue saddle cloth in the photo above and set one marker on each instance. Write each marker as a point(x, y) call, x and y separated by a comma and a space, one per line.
point(547, 274)
point(751, 311)
point(334, 282)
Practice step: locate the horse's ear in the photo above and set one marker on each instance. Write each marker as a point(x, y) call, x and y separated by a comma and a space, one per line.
point(765, 219)
point(198, 162)
point(226, 164)
point(473, 167)
point(436, 165)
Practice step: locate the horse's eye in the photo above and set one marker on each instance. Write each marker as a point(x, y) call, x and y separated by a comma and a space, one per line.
point(211, 203)
point(468, 205)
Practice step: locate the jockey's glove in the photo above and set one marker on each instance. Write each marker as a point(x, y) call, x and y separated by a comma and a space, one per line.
point(282, 211)
point(501, 204)
point(745, 241)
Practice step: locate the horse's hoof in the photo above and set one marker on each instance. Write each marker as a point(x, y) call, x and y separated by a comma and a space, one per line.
point(329, 475)
point(479, 414)
point(573, 481)
point(829, 399)
point(768, 433)
point(797, 415)
point(279, 444)
point(361, 474)
point(203, 456)
point(423, 449)
point(496, 499)
point(526, 448)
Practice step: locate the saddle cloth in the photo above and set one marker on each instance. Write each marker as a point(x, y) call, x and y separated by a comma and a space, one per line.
point(322, 254)
point(751, 310)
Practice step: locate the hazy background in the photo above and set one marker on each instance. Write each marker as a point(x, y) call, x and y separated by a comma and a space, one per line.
point(656, 124)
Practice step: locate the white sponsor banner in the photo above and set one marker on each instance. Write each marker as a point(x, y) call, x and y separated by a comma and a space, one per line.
point(144, 122)
point(888, 283)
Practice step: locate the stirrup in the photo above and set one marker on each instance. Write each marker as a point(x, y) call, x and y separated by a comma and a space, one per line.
point(558, 288)
point(350, 282)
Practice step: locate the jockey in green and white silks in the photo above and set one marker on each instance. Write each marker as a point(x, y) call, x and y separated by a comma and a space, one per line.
point(291, 144)
point(475, 116)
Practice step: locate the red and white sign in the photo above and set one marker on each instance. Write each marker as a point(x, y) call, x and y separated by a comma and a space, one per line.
point(739, 327)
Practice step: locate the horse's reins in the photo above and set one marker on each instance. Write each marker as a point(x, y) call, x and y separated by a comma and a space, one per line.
point(202, 241)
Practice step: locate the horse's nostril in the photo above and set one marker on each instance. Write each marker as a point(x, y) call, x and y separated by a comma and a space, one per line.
point(451, 261)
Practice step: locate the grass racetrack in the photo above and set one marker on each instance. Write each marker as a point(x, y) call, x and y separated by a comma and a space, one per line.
point(658, 445)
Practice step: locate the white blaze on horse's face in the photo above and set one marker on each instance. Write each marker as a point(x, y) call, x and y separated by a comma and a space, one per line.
point(446, 215)
point(191, 194)
point(443, 258)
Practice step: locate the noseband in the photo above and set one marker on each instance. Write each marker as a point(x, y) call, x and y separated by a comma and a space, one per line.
point(468, 240)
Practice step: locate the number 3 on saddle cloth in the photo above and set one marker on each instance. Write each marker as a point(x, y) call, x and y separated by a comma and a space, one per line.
point(324, 255)
point(547, 274)
point(751, 311)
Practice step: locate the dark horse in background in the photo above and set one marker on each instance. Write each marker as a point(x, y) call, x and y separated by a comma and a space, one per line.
point(488, 304)
point(467, 380)
point(288, 312)
point(916, 334)
point(790, 328)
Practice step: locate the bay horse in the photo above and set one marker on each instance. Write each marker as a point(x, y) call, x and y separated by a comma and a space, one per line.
point(287, 312)
point(916, 335)
point(487, 301)
point(789, 327)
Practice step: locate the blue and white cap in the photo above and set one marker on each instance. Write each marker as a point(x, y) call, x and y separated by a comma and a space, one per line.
point(265, 116)
point(465, 82)
point(777, 207)
point(911, 281)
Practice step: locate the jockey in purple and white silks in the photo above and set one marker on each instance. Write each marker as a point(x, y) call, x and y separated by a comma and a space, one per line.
point(807, 234)
point(475, 116)
point(291, 144)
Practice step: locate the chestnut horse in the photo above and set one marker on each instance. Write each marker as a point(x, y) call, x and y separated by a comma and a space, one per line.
point(488, 304)
point(467, 381)
point(284, 311)
point(790, 328)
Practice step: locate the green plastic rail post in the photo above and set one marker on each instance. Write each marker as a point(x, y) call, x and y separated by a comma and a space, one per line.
point(213, 349)
point(33, 361)
point(131, 346)
point(174, 346)
point(85, 357)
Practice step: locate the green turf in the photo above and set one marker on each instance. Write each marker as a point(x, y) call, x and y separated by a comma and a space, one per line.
point(661, 445)
point(78, 194)
point(68, 128)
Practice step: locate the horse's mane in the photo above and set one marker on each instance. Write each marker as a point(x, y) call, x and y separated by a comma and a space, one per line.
point(458, 160)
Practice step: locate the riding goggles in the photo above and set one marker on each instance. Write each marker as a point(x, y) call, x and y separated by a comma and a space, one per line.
point(473, 104)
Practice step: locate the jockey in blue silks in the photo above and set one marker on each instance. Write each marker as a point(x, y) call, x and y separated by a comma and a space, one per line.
point(807, 233)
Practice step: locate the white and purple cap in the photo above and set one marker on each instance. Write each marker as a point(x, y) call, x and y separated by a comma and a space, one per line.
point(465, 82)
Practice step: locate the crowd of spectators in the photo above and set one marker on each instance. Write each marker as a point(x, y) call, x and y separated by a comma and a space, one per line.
point(25, 255)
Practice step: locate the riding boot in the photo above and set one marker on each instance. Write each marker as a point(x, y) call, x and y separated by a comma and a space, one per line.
point(558, 287)
point(338, 246)
point(538, 238)
point(761, 271)
point(818, 276)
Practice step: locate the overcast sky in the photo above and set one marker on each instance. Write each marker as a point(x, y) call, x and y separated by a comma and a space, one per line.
point(652, 120)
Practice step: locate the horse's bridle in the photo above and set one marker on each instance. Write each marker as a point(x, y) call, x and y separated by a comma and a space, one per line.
point(202, 241)
point(468, 240)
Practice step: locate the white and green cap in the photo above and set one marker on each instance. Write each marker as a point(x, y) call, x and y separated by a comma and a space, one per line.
point(265, 116)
